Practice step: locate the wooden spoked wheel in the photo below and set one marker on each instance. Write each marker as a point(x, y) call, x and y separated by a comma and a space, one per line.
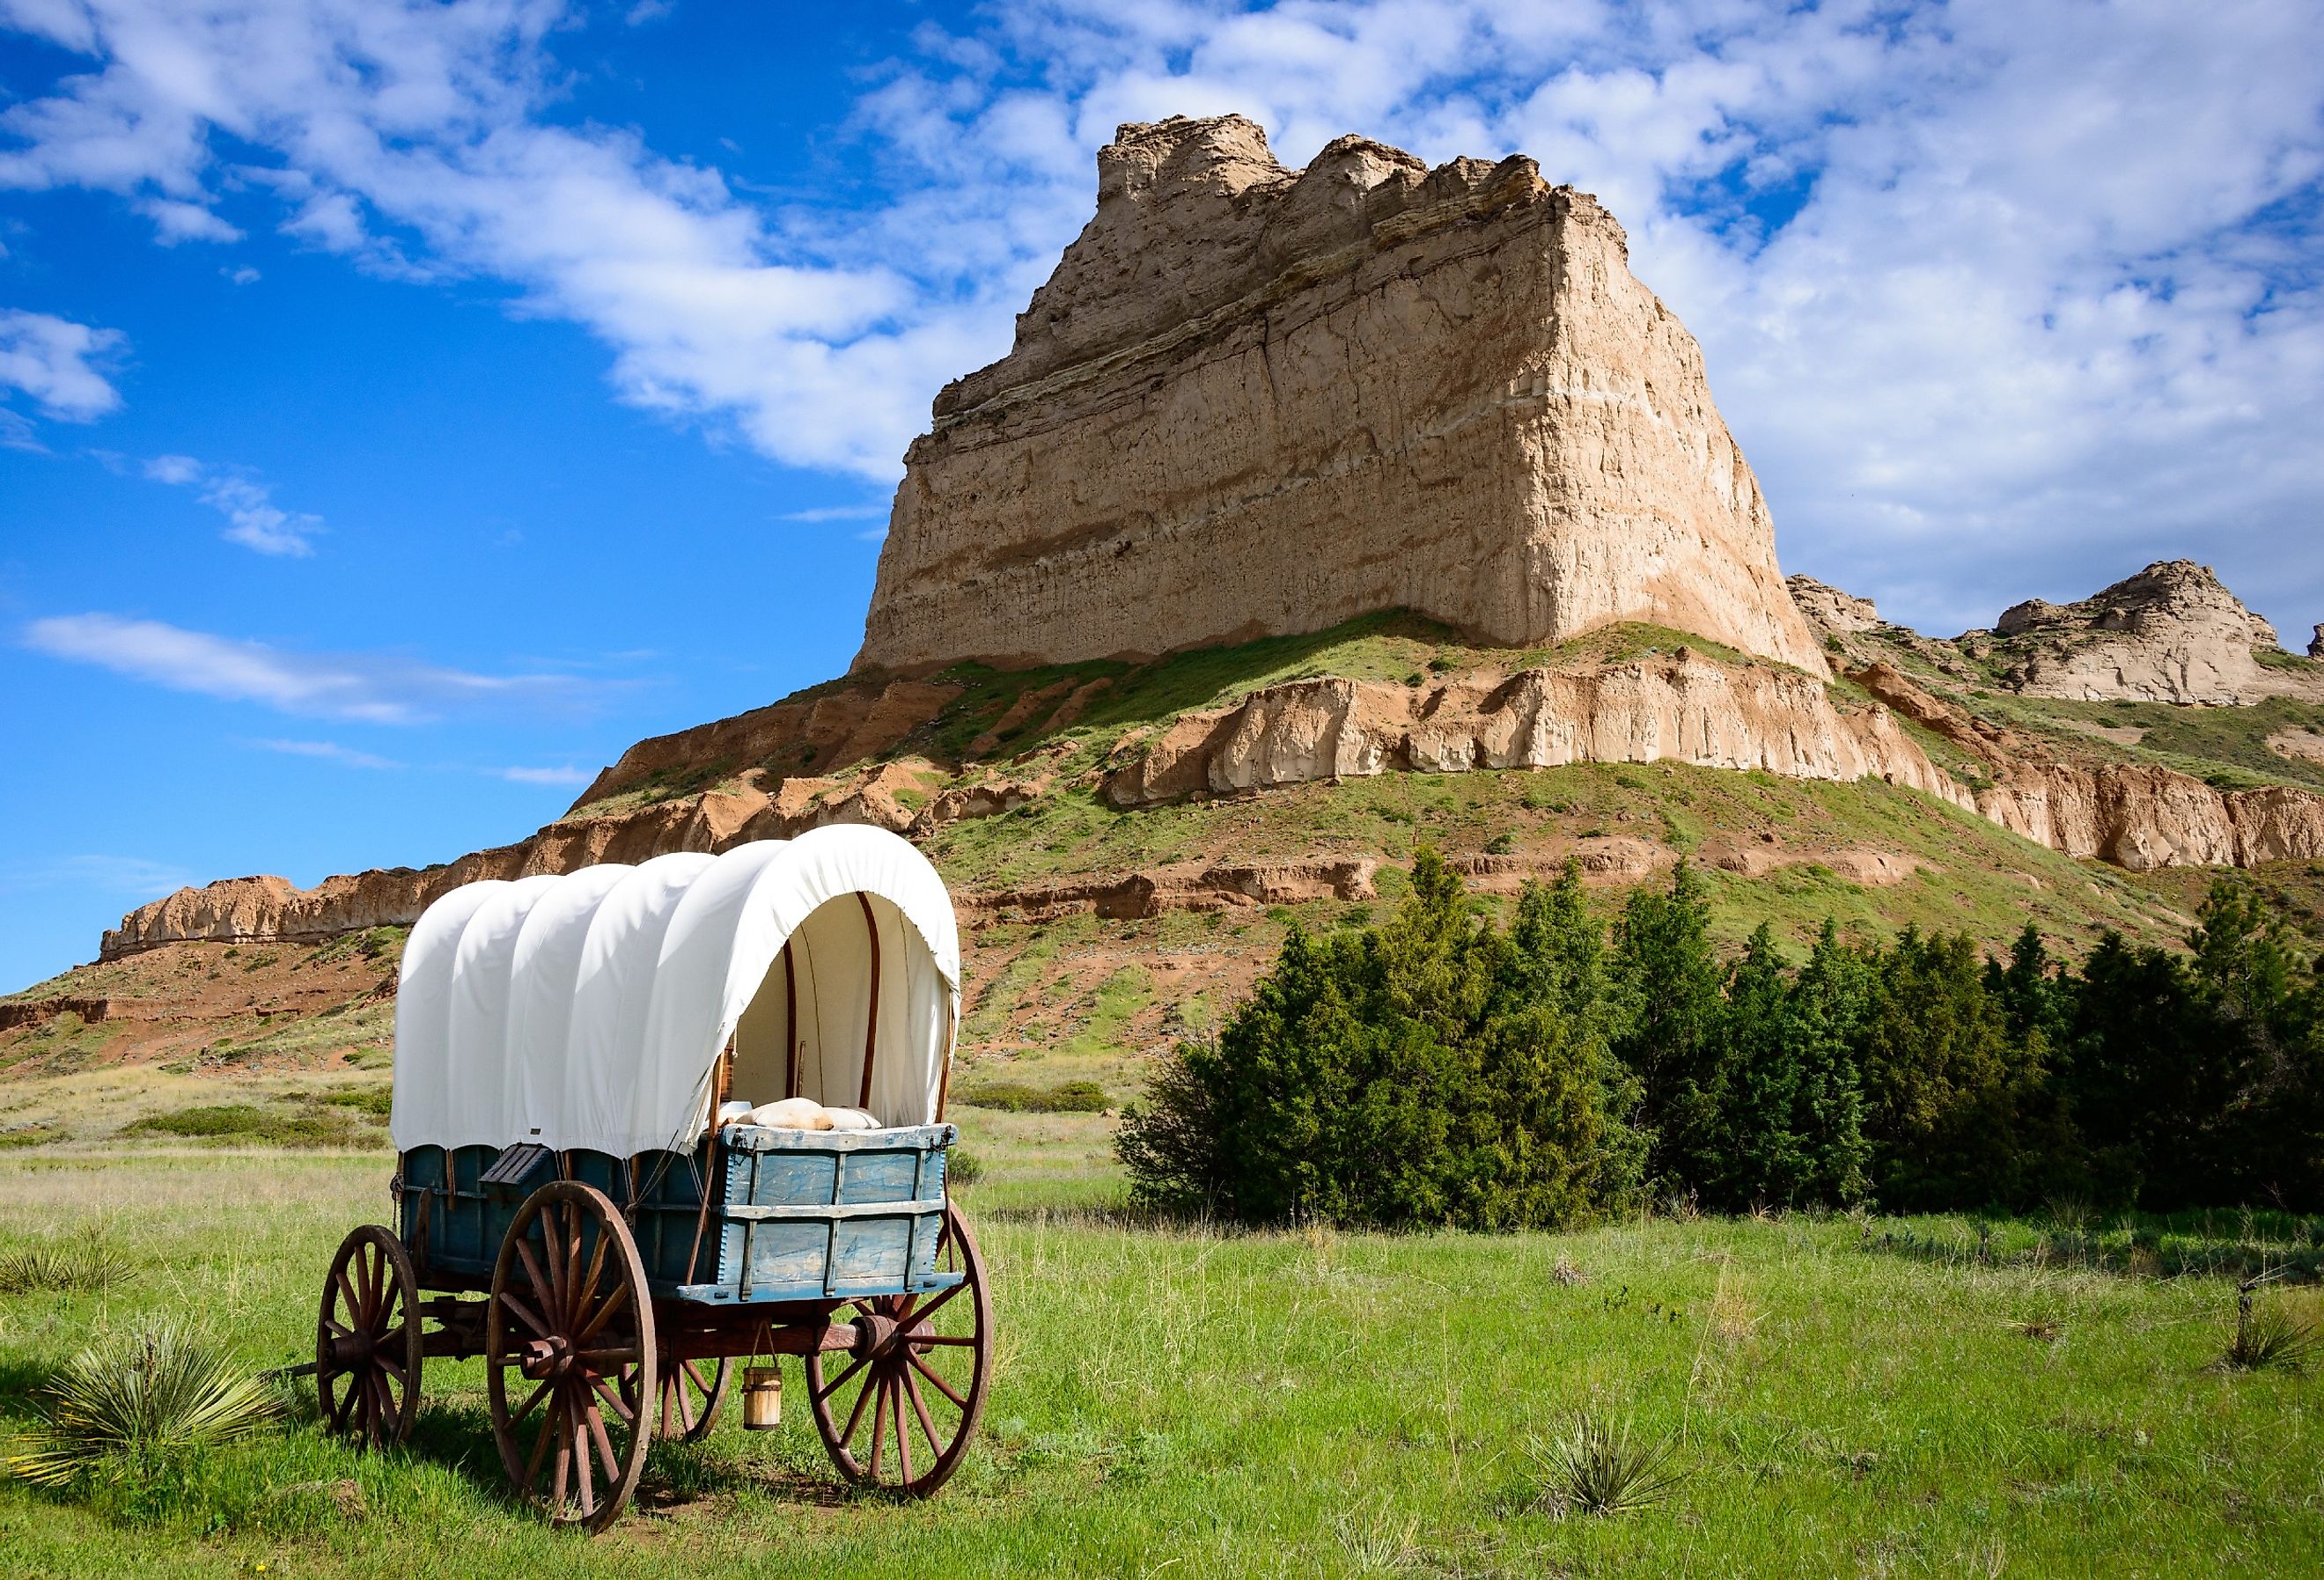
point(569, 1355)
point(898, 1412)
point(692, 1394)
point(367, 1340)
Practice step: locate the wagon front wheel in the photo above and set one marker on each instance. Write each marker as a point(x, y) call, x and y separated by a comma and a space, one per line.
point(367, 1340)
point(569, 1355)
point(898, 1412)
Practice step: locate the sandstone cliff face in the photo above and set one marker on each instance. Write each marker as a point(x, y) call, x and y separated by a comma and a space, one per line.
point(2170, 633)
point(1255, 401)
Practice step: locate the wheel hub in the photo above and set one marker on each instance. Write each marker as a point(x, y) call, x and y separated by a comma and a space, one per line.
point(351, 1351)
point(874, 1335)
point(544, 1358)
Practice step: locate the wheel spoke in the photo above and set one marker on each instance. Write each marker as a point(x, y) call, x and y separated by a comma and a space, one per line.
point(584, 1473)
point(388, 1366)
point(605, 1444)
point(920, 1409)
point(946, 1338)
point(614, 1302)
point(855, 1415)
point(878, 1422)
point(621, 1408)
point(840, 1382)
point(943, 1386)
point(540, 1444)
point(524, 1313)
point(347, 1288)
point(531, 1400)
point(937, 1305)
point(587, 1287)
point(903, 1445)
point(562, 1465)
point(535, 1279)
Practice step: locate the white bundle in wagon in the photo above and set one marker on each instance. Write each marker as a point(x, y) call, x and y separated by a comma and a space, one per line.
point(579, 1062)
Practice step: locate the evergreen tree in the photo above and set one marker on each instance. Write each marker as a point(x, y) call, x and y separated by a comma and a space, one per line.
point(1668, 1037)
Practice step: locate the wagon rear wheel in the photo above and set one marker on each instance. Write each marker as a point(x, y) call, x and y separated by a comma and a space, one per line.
point(693, 1392)
point(899, 1412)
point(569, 1355)
point(367, 1340)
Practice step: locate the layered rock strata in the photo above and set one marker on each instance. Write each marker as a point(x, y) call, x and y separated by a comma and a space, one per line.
point(2132, 815)
point(1685, 709)
point(1255, 401)
point(2170, 633)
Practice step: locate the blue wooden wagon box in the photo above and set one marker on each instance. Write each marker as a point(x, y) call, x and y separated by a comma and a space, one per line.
point(794, 1214)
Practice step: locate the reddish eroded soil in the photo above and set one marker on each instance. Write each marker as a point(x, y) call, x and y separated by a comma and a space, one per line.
point(248, 1007)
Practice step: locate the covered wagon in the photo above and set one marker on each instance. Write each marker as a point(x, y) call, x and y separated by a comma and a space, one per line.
point(581, 1199)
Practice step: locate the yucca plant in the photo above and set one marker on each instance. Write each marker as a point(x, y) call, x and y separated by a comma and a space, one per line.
point(2268, 1337)
point(73, 1266)
point(158, 1385)
point(1597, 1469)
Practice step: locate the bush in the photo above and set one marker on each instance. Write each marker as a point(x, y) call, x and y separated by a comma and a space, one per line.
point(1021, 1097)
point(309, 1124)
point(1433, 1071)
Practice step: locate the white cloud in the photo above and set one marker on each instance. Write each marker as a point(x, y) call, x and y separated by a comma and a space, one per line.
point(61, 364)
point(1999, 299)
point(177, 470)
point(254, 519)
point(241, 274)
point(105, 875)
point(836, 513)
point(327, 752)
point(567, 775)
point(369, 687)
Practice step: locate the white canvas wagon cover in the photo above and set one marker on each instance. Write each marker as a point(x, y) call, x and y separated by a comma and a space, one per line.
point(589, 1010)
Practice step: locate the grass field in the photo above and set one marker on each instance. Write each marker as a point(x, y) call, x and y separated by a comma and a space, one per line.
point(1845, 1397)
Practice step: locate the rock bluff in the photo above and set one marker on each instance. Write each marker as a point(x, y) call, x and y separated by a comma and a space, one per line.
point(2170, 633)
point(1253, 401)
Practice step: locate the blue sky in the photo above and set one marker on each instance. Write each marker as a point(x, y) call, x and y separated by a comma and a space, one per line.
point(404, 407)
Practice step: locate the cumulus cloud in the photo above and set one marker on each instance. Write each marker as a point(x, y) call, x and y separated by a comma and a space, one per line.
point(63, 365)
point(252, 518)
point(368, 688)
point(2000, 300)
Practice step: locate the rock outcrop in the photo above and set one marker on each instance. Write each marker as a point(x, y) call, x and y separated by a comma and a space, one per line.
point(1828, 611)
point(1685, 709)
point(2170, 633)
point(2135, 816)
point(2315, 643)
point(1255, 401)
